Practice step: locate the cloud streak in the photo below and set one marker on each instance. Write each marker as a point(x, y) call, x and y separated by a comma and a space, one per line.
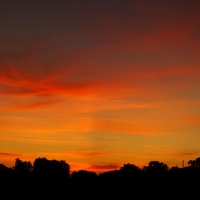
point(3, 154)
point(94, 154)
point(104, 167)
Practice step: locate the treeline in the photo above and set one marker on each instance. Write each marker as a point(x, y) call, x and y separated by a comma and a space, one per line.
point(54, 172)
point(156, 177)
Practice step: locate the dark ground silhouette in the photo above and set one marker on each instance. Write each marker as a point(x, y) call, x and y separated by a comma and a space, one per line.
point(52, 179)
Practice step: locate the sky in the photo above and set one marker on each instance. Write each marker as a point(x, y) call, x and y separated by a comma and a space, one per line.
point(100, 83)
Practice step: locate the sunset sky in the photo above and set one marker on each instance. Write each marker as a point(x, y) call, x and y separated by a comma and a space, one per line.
point(100, 83)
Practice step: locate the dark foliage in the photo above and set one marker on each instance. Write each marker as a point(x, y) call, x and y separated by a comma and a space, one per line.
point(51, 178)
point(83, 177)
point(51, 172)
point(194, 164)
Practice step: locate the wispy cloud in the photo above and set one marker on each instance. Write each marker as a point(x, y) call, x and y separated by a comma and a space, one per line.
point(185, 154)
point(189, 153)
point(95, 154)
point(36, 105)
point(104, 167)
point(3, 154)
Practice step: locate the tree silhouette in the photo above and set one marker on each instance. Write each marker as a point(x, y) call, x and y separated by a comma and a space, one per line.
point(40, 166)
point(129, 174)
point(84, 177)
point(156, 166)
point(129, 168)
point(65, 168)
point(110, 178)
point(22, 167)
point(51, 171)
point(154, 179)
point(45, 166)
point(2, 167)
point(194, 164)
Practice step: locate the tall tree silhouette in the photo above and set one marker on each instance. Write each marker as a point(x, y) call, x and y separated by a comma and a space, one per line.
point(22, 172)
point(40, 166)
point(156, 166)
point(195, 164)
point(45, 166)
point(22, 167)
point(129, 168)
point(129, 174)
point(51, 171)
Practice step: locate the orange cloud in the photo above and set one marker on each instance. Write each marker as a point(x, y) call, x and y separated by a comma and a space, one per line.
point(94, 154)
point(185, 154)
point(126, 127)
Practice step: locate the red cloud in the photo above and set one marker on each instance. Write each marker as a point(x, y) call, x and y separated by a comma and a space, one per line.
point(104, 167)
point(3, 154)
point(96, 65)
point(36, 105)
